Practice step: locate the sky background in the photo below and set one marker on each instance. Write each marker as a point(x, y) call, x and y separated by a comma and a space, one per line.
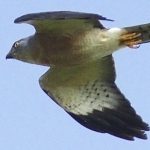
point(29, 119)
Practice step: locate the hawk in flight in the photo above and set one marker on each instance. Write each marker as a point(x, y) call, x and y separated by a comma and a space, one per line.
point(81, 79)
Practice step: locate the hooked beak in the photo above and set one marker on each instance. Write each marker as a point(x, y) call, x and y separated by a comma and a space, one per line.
point(9, 56)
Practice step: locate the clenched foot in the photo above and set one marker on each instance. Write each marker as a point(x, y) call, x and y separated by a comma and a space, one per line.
point(132, 39)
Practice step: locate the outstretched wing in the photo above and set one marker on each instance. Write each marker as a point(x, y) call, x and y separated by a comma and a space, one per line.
point(62, 21)
point(88, 93)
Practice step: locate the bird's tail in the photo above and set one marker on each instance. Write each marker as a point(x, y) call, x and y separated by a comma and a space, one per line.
point(143, 29)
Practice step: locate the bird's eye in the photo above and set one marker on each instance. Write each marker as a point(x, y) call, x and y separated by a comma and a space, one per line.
point(16, 44)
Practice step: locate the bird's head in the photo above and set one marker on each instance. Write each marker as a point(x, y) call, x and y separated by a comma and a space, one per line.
point(21, 51)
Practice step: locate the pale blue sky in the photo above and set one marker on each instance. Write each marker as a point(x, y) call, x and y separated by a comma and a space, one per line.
point(29, 119)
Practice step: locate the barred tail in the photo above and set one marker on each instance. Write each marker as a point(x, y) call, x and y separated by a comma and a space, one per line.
point(144, 29)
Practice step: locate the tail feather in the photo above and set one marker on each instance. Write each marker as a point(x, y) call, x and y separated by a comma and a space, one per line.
point(144, 29)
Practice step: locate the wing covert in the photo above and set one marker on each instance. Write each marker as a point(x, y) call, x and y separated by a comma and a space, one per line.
point(62, 20)
point(59, 15)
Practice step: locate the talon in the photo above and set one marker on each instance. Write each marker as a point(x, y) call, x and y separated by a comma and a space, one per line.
point(134, 46)
point(131, 40)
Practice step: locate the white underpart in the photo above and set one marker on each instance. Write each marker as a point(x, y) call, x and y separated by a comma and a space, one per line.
point(81, 101)
point(113, 38)
point(99, 43)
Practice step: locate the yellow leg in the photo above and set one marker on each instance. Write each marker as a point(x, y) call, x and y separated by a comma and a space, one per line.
point(132, 39)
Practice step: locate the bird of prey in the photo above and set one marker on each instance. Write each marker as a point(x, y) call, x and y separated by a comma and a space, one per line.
point(81, 79)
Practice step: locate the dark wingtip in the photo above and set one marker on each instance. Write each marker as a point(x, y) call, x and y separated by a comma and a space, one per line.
point(109, 19)
point(18, 20)
point(144, 137)
point(145, 126)
point(99, 17)
point(22, 18)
